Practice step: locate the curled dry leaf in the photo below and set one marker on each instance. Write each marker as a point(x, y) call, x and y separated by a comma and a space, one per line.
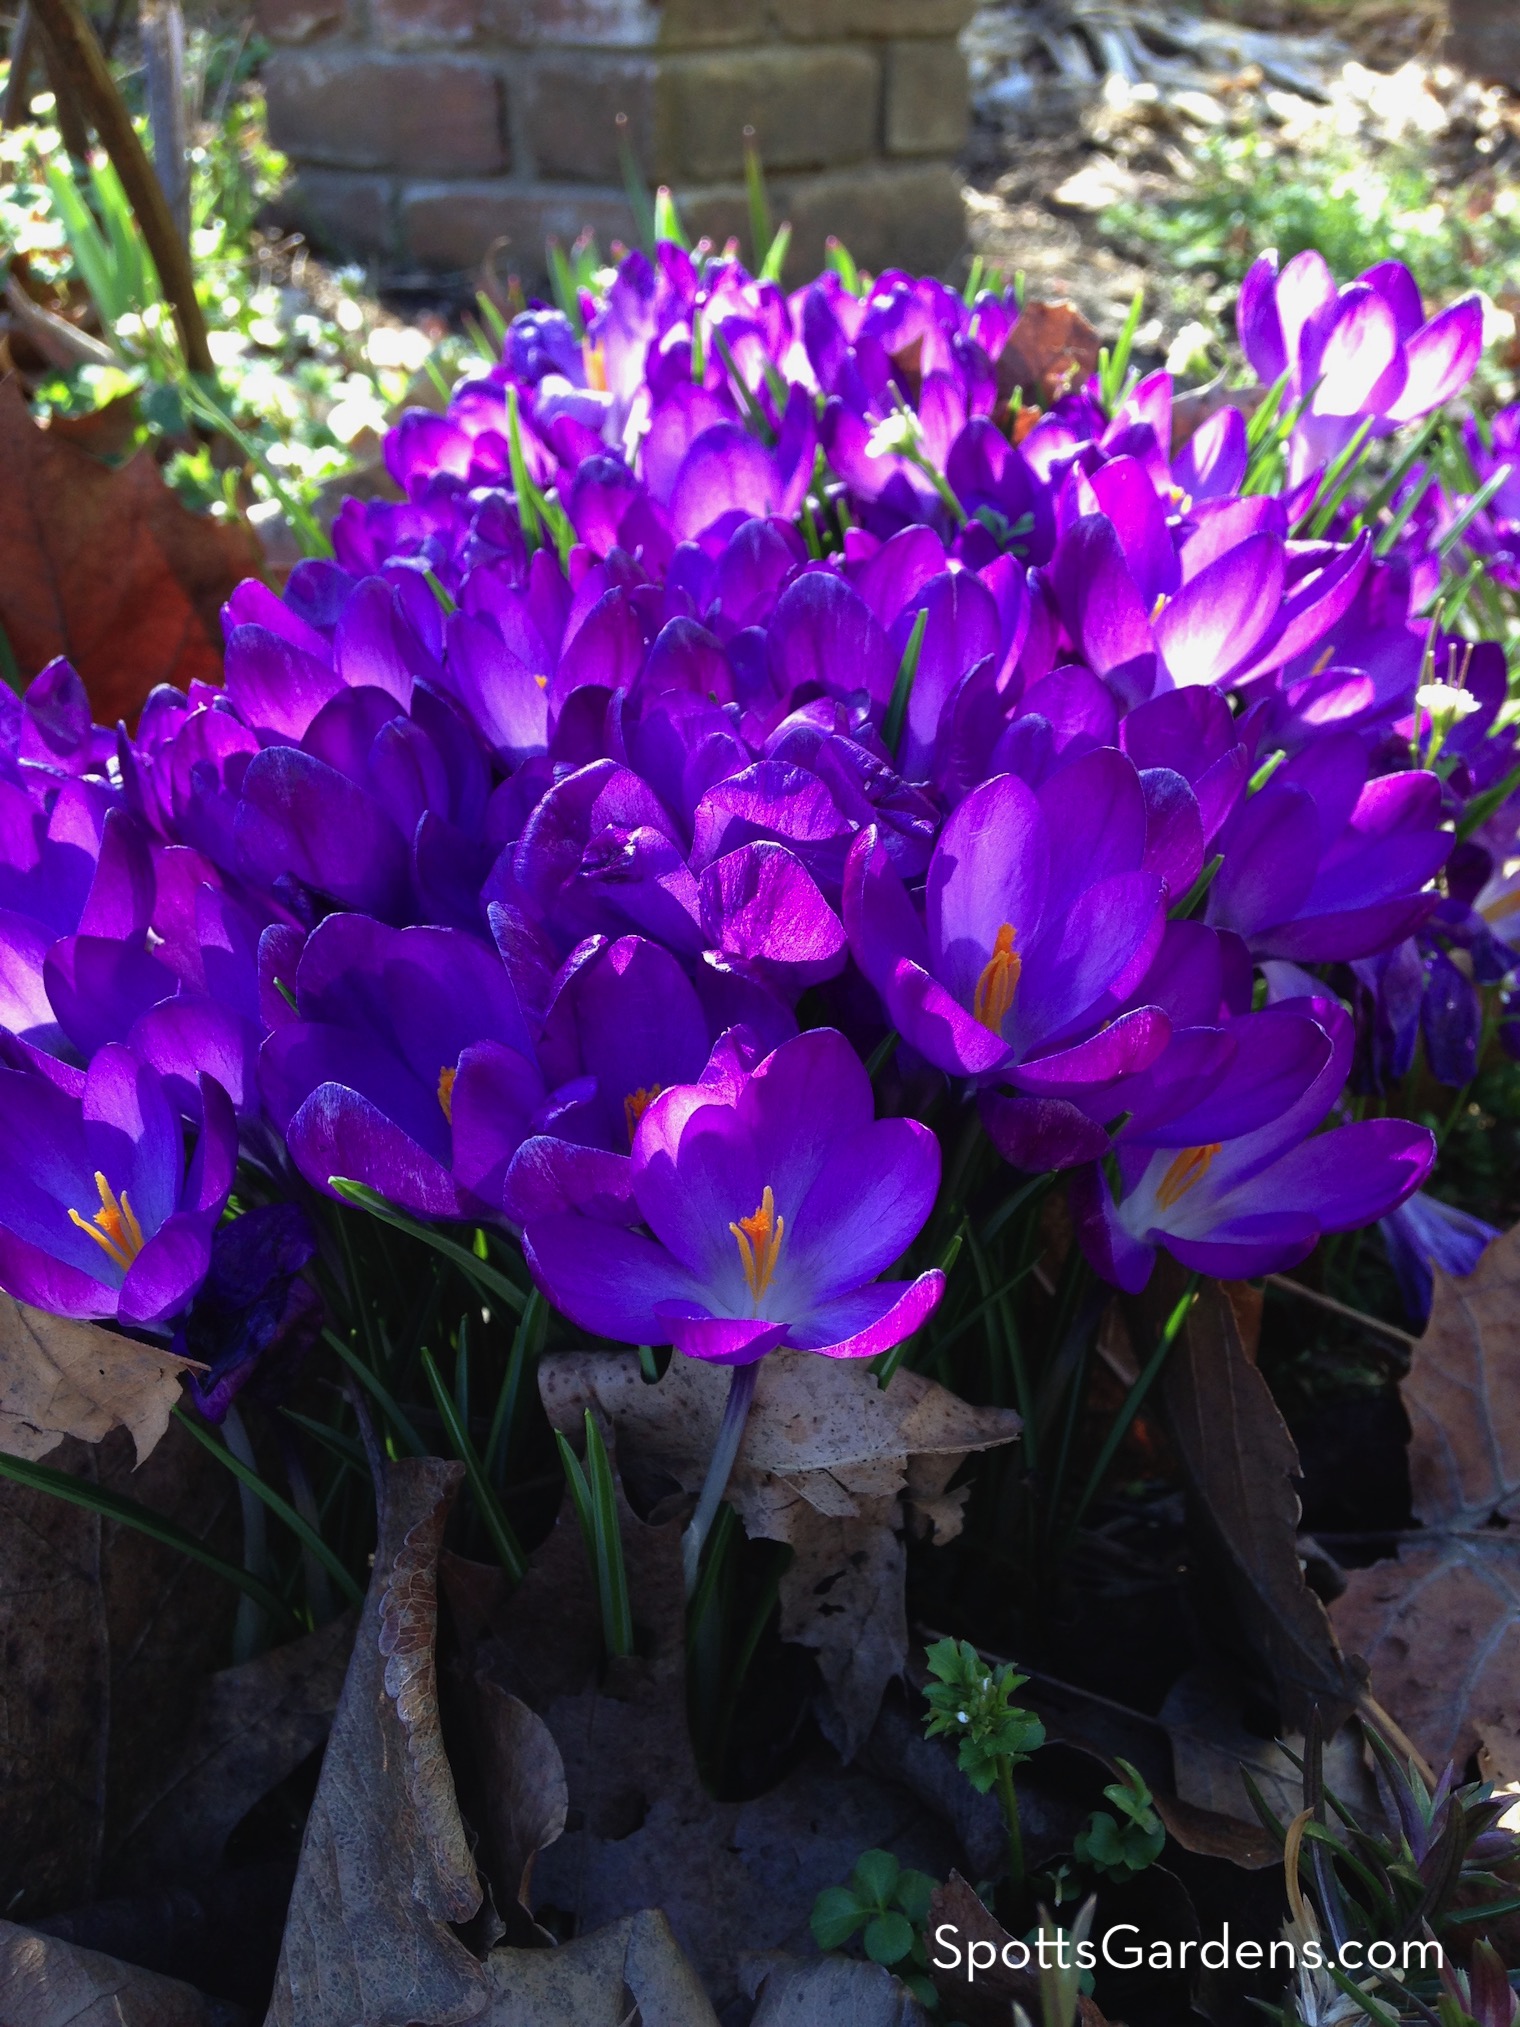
point(524, 1799)
point(631, 1970)
point(61, 1378)
point(108, 568)
point(830, 1464)
point(988, 1999)
point(1440, 1626)
point(255, 1724)
point(1241, 1465)
point(385, 1865)
point(47, 1983)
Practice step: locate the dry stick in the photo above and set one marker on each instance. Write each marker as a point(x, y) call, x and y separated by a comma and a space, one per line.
point(83, 62)
point(1342, 1309)
point(16, 109)
point(72, 124)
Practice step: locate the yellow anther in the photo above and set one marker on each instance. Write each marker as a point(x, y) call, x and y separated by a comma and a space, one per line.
point(596, 366)
point(114, 1227)
point(1191, 1166)
point(636, 1104)
point(759, 1237)
point(999, 982)
point(446, 1092)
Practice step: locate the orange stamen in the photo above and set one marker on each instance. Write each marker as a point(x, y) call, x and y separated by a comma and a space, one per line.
point(1187, 1168)
point(998, 983)
point(114, 1227)
point(446, 1079)
point(759, 1237)
point(636, 1104)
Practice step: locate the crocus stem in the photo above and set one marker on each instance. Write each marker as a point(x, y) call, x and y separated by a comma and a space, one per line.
point(1010, 1803)
point(741, 1391)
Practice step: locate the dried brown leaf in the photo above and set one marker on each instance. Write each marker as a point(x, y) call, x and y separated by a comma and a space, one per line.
point(108, 1638)
point(47, 1983)
point(1463, 1395)
point(988, 1999)
point(631, 1970)
point(524, 1796)
point(385, 1865)
point(830, 1464)
point(841, 1990)
point(61, 1378)
point(1241, 1464)
point(255, 1725)
point(107, 567)
point(1440, 1628)
point(1050, 350)
point(732, 1878)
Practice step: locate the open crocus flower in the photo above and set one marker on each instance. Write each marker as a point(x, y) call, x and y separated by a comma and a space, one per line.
point(98, 1213)
point(1234, 1203)
point(773, 1197)
point(1038, 912)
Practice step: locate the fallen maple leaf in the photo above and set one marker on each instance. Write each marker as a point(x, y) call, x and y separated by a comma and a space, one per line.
point(108, 568)
point(829, 1464)
point(61, 1378)
point(1440, 1626)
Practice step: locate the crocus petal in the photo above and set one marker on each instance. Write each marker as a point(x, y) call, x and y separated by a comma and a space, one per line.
point(608, 1280)
point(869, 1320)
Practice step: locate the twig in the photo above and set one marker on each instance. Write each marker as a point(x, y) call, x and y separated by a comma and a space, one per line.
point(61, 343)
point(82, 61)
point(14, 111)
point(1343, 1310)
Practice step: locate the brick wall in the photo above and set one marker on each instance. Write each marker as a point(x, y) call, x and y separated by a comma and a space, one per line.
point(428, 132)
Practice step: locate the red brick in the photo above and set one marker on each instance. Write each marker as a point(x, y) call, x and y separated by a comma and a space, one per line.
point(297, 20)
point(928, 98)
point(357, 111)
point(351, 216)
point(595, 24)
point(426, 24)
point(453, 226)
point(569, 107)
point(908, 215)
point(809, 109)
point(831, 20)
point(1484, 37)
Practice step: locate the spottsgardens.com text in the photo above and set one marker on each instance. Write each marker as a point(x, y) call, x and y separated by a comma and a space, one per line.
point(1121, 1949)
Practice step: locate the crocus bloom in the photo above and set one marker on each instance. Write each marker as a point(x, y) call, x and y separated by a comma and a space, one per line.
point(1235, 1204)
point(1038, 909)
point(1423, 1233)
point(98, 1213)
point(773, 1197)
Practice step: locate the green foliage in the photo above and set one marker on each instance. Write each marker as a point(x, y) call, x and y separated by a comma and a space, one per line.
point(1355, 204)
point(888, 1906)
point(594, 1497)
point(973, 1704)
point(1120, 1846)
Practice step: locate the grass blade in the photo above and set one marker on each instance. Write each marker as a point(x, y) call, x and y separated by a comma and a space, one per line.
point(304, 1532)
point(897, 709)
point(503, 1536)
point(480, 1272)
point(611, 1576)
point(393, 1412)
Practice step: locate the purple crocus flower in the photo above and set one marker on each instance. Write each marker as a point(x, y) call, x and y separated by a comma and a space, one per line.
point(410, 1066)
point(99, 1215)
point(1364, 351)
point(1323, 864)
point(773, 1197)
point(256, 1317)
point(1423, 1233)
point(1040, 919)
point(1234, 1203)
